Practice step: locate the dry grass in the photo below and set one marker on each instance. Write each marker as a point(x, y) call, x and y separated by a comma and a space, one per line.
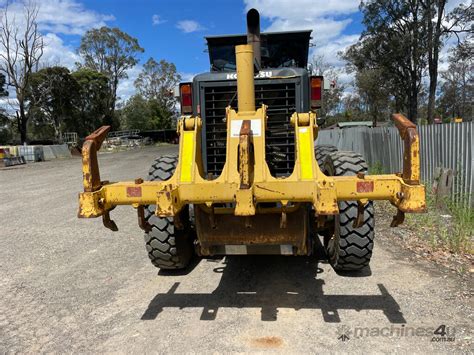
point(450, 228)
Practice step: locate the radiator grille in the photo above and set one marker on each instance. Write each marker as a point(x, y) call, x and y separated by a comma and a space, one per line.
point(280, 99)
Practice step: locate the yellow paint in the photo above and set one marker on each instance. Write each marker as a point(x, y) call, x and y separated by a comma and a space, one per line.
point(188, 156)
point(306, 184)
point(306, 156)
point(245, 80)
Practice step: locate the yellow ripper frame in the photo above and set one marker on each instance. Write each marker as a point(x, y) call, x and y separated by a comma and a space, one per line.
point(245, 180)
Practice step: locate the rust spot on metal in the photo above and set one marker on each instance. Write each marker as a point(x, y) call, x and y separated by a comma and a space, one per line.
point(359, 221)
point(270, 190)
point(402, 123)
point(90, 166)
point(245, 155)
point(134, 191)
point(409, 134)
point(98, 136)
point(365, 186)
point(398, 219)
point(142, 222)
point(264, 229)
point(108, 223)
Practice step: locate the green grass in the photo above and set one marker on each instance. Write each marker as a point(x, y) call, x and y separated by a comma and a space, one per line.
point(449, 228)
point(376, 168)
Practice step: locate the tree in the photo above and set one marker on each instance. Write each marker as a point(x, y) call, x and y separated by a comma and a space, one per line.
point(136, 113)
point(439, 25)
point(111, 52)
point(332, 97)
point(3, 82)
point(143, 114)
point(21, 48)
point(353, 108)
point(5, 134)
point(457, 89)
point(157, 81)
point(91, 106)
point(52, 94)
point(394, 43)
point(374, 94)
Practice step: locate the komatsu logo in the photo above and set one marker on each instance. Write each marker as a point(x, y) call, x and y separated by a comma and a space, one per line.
point(260, 75)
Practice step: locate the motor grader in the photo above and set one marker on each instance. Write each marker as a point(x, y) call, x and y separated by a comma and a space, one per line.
point(248, 179)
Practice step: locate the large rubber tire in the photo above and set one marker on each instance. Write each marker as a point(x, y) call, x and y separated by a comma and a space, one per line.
point(349, 248)
point(168, 247)
point(322, 151)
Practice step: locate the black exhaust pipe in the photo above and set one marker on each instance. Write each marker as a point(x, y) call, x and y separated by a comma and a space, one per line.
point(253, 37)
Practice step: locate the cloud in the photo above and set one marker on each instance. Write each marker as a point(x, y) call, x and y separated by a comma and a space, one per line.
point(187, 77)
point(326, 18)
point(188, 26)
point(450, 5)
point(157, 20)
point(57, 53)
point(329, 50)
point(323, 29)
point(62, 16)
point(126, 87)
point(303, 9)
point(56, 18)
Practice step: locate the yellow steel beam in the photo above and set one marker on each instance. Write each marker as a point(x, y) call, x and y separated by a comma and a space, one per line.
point(250, 183)
point(409, 198)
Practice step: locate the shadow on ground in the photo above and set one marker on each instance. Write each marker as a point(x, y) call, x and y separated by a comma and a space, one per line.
point(270, 283)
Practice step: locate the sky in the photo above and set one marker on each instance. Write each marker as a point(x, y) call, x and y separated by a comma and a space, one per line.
point(174, 30)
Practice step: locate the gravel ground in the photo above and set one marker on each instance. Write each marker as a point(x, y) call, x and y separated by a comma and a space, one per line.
point(70, 285)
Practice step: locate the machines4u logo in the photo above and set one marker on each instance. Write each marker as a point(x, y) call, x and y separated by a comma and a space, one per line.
point(441, 333)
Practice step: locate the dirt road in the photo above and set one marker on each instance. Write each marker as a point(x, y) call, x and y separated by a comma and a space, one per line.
point(70, 285)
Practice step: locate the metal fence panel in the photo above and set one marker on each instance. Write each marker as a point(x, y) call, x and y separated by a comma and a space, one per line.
point(446, 145)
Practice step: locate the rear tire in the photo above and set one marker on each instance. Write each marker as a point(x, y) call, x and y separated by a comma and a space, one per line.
point(322, 151)
point(168, 247)
point(349, 248)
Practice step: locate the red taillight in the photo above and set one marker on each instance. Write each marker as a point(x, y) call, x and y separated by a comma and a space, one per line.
point(316, 91)
point(186, 98)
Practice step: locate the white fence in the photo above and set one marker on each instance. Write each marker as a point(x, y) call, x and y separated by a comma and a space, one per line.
point(444, 145)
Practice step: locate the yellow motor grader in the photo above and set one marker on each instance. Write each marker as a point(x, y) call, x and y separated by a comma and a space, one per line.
point(249, 180)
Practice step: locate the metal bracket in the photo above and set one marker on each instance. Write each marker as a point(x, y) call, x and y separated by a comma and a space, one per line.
point(245, 159)
point(411, 151)
point(359, 221)
point(398, 219)
point(90, 166)
point(108, 223)
point(142, 222)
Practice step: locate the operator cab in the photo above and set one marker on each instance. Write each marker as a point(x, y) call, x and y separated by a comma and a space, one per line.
point(278, 50)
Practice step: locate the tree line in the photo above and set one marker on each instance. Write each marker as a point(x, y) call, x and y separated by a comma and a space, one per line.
point(395, 63)
point(51, 99)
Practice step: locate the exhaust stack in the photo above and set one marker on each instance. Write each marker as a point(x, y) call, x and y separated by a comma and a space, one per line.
point(253, 37)
point(245, 80)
